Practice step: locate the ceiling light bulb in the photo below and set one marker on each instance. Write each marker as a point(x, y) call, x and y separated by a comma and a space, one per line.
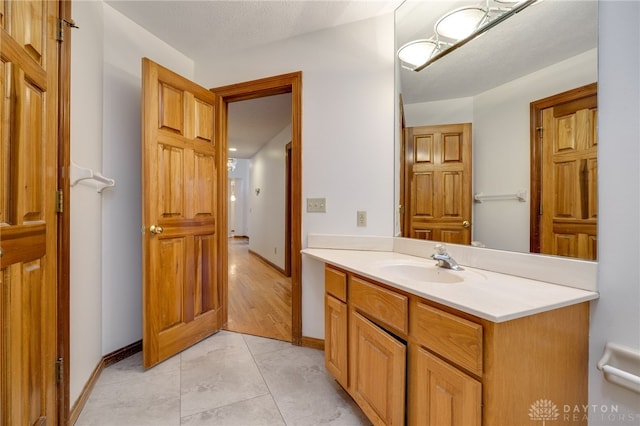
point(417, 52)
point(460, 23)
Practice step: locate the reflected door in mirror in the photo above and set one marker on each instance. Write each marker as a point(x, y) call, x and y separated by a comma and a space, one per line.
point(438, 164)
point(569, 179)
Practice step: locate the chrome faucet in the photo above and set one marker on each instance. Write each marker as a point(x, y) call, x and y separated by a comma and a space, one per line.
point(444, 260)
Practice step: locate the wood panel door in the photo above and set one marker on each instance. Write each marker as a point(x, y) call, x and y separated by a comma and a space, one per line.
point(377, 371)
point(438, 163)
point(28, 222)
point(569, 177)
point(181, 295)
point(442, 395)
point(335, 339)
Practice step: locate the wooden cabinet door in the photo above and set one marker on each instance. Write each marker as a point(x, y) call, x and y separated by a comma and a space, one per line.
point(181, 296)
point(377, 367)
point(335, 340)
point(438, 163)
point(28, 223)
point(440, 394)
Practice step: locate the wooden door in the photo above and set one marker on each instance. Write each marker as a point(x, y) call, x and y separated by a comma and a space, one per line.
point(377, 371)
point(28, 222)
point(442, 395)
point(438, 163)
point(181, 296)
point(569, 178)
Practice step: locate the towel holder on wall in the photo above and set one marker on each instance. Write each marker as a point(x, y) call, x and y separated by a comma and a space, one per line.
point(520, 196)
point(78, 174)
point(621, 366)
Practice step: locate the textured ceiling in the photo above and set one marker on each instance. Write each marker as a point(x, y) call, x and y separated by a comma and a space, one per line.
point(201, 29)
point(543, 34)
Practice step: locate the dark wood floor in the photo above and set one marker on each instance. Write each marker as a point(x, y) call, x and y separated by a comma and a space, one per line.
point(259, 295)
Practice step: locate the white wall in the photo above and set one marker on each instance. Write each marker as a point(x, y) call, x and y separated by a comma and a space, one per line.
point(267, 209)
point(125, 43)
point(85, 203)
point(501, 143)
point(239, 209)
point(347, 130)
point(105, 282)
point(615, 317)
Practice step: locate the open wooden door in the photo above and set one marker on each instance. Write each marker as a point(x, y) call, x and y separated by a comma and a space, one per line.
point(28, 222)
point(565, 174)
point(569, 183)
point(181, 292)
point(438, 168)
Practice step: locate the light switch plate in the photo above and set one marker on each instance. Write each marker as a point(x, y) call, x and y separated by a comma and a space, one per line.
point(362, 218)
point(316, 205)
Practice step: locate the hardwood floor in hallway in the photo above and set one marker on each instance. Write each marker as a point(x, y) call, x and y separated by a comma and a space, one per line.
point(259, 295)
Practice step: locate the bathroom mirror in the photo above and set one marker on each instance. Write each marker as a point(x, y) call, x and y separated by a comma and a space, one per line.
point(547, 49)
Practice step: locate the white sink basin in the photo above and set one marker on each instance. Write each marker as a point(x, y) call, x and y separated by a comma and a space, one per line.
point(426, 272)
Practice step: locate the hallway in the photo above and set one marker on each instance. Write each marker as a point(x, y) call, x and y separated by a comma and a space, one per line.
point(229, 379)
point(259, 295)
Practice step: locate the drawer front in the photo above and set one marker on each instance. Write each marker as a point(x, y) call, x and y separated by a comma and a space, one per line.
point(335, 283)
point(384, 305)
point(452, 337)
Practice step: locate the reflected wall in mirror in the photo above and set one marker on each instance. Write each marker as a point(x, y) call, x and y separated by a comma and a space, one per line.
point(493, 83)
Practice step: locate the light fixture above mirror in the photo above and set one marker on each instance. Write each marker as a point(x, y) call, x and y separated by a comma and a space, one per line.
point(456, 28)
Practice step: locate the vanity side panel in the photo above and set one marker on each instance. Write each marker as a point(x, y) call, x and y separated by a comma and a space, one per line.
point(535, 366)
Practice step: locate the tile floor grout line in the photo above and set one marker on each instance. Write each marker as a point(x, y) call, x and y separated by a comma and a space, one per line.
point(264, 379)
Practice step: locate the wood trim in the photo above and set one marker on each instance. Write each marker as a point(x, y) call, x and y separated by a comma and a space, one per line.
point(285, 83)
point(106, 361)
point(312, 342)
point(287, 212)
point(85, 393)
point(535, 119)
point(268, 262)
point(64, 218)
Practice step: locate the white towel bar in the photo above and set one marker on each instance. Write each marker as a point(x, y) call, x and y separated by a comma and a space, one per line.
point(520, 196)
point(615, 363)
point(77, 174)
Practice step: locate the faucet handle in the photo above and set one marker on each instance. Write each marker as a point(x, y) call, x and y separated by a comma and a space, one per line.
point(441, 249)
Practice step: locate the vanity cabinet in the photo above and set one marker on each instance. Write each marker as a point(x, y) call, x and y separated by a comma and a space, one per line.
point(335, 325)
point(409, 360)
point(378, 321)
point(444, 348)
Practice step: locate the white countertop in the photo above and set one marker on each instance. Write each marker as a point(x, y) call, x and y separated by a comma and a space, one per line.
point(490, 295)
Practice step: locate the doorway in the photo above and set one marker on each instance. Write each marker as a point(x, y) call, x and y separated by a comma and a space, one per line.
point(287, 83)
point(259, 296)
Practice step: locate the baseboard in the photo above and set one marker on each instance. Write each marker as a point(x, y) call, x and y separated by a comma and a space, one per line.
point(274, 266)
point(312, 342)
point(122, 353)
point(107, 360)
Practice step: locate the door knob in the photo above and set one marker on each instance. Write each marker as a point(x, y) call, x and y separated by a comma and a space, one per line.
point(154, 229)
point(466, 224)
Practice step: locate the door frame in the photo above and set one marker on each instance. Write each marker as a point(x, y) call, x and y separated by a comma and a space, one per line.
point(535, 132)
point(64, 217)
point(275, 85)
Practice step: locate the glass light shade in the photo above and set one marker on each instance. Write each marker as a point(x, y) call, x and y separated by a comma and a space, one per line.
point(417, 52)
point(460, 23)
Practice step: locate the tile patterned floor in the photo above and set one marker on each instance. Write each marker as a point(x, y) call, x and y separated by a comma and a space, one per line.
point(229, 379)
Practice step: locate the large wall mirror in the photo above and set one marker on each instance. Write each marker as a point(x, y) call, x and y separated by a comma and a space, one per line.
point(501, 133)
